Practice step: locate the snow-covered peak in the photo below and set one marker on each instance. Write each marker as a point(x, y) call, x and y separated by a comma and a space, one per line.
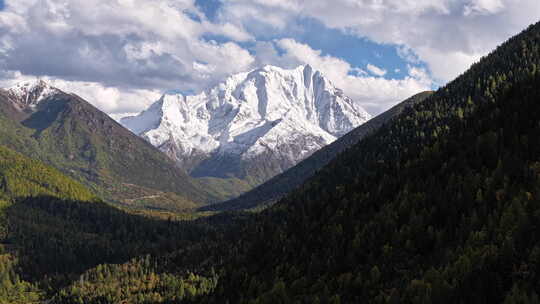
point(31, 93)
point(262, 111)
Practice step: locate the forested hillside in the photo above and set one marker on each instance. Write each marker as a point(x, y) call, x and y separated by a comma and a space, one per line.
point(52, 229)
point(25, 178)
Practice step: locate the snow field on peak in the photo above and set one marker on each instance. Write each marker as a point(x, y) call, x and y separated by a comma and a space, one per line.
point(31, 93)
point(262, 111)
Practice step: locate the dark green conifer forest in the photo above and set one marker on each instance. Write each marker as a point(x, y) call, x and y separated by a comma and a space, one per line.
point(441, 204)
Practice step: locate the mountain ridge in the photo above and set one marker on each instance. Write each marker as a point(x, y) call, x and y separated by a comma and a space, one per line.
point(269, 116)
point(67, 132)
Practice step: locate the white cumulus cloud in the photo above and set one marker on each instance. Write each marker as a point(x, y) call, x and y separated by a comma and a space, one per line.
point(375, 70)
point(122, 45)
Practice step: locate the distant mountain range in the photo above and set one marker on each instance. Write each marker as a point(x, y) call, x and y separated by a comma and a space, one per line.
point(250, 127)
point(219, 144)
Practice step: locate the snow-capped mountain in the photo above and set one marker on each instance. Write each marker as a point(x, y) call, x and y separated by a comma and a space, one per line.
point(29, 94)
point(255, 124)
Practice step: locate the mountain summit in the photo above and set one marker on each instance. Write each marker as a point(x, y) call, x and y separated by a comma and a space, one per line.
point(252, 126)
point(30, 93)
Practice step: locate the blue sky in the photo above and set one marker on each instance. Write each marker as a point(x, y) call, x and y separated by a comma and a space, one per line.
point(209, 7)
point(122, 55)
point(356, 50)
